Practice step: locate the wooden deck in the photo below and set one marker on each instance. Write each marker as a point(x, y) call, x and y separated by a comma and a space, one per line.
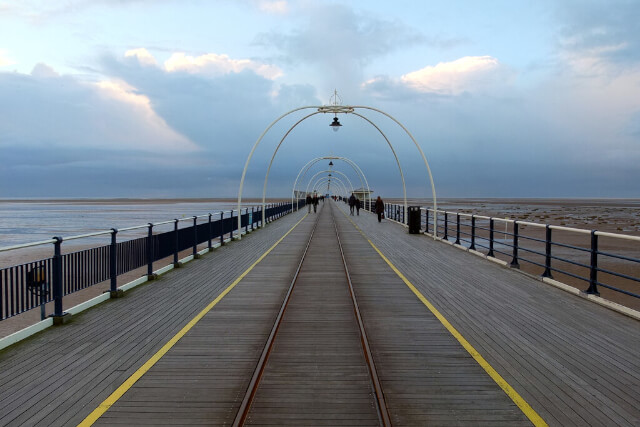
point(574, 362)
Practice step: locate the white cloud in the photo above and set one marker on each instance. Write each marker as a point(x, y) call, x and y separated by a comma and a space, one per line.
point(219, 64)
point(276, 7)
point(452, 78)
point(159, 135)
point(4, 59)
point(47, 110)
point(142, 55)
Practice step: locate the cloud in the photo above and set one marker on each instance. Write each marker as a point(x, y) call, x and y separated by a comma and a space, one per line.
point(452, 78)
point(5, 59)
point(469, 74)
point(142, 55)
point(47, 110)
point(275, 7)
point(601, 33)
point(215, 64)
point(338, 42)
point(211, 64)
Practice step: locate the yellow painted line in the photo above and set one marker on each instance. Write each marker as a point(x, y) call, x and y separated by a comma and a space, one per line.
point(117, 394)
point(504, 385)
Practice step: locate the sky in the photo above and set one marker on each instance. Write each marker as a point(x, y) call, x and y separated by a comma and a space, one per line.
point(145, 99)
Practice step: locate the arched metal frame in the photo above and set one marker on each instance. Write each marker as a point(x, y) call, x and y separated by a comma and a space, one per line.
point(303, 171)
point(331, 109)
point(324, 179)
point(329, 171)
point(273, 156)
point(328, 178)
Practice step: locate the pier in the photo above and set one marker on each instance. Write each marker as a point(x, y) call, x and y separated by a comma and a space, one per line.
point(331, 319)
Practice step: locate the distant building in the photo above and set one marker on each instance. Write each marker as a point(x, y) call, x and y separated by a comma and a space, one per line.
point(362, 194)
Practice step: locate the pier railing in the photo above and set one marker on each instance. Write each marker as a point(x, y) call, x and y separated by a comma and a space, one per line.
point(591, 257)
point(33, 284)
point(587, 259)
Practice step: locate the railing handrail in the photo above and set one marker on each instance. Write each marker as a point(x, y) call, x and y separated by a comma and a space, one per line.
point(105, 232)
point(470, 228)
point(541, 225)
point(35, 283)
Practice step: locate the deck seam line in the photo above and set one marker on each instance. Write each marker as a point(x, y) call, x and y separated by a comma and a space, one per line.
point(129, 382)
point(529, 412)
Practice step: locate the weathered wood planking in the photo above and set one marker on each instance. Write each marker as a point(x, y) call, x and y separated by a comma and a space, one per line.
point(316, 373)
point(428, 378)
point(59, 376)
point(574, 362)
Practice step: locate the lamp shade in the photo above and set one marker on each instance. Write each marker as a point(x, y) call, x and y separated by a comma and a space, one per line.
point(335, 124)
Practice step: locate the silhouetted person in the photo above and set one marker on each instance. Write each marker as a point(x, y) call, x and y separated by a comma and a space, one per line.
point(352, 203)
point(357, 206)
point(308, 201)
point(315, 203)
point(379, 206)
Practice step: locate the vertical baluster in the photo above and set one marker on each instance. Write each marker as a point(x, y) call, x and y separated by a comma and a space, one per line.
point(58, 314)
point(473, 233)
point(514, 260)
point(210, 234)
point(491, 239)
point(113, 263)
point(176, 243)
point(195, 237)
point(547, 253)
point(593, 271)
point(221, 228)
point(457, 242)
point(150, 275)
point(446, 227)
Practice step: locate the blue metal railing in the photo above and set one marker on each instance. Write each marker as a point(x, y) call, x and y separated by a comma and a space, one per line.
point(479, 233)
point(30, 285)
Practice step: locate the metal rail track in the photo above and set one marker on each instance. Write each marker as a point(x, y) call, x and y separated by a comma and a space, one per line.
point(245, 406)
point(383, 413)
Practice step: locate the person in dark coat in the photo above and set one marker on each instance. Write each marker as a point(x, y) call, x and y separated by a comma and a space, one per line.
point(352, 203)
point(358, 206)
point(308, 201)
point(379, 206)
point(315, 202)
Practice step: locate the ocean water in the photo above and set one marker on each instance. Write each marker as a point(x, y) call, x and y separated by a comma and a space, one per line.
point(25, 222)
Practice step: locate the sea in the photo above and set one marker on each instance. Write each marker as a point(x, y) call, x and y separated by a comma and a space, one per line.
point(31, 221)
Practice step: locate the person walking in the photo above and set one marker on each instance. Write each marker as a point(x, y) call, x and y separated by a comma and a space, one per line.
point(315, 203)
point(379, 206)
point(357, 206)
point(308, 201)
point(352, 204)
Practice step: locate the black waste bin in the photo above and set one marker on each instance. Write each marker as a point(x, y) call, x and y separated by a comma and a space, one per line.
point(414, 220)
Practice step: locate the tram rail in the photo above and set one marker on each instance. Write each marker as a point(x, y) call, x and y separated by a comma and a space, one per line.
point(244, 410)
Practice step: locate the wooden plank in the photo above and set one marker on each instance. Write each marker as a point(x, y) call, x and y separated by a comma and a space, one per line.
point(317, 373)
point(64, 366)
point(575, 362)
